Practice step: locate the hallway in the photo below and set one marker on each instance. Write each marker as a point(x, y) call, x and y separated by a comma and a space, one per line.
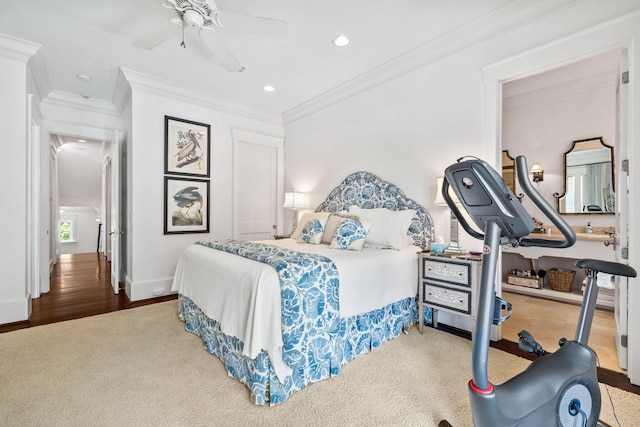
point(80, 287)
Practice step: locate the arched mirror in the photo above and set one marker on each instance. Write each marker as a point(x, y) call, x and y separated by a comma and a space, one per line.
point(509, 170)
point(588, 179)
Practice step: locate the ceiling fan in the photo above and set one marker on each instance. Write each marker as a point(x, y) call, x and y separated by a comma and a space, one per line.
point(204, 16)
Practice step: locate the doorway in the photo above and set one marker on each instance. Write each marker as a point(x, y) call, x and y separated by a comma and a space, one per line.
point(74, 246)
point(541, 115)
point(79, 214)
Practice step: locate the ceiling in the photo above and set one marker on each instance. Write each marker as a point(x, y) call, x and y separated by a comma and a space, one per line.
point(598, 69)
point(94, 38)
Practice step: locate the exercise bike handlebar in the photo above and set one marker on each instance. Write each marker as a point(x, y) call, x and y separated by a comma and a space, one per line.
point(545, 207)
point(518, 239)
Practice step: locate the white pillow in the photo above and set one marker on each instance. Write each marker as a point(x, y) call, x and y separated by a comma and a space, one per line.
point(389, 227)
point(311, 232)
point(351, 234)
point(332, 225)
point(310, 216)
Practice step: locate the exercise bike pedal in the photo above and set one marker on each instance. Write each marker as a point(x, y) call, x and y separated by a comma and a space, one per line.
point(529, 345)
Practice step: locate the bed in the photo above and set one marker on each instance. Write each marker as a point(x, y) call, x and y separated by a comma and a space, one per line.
point(281, 314)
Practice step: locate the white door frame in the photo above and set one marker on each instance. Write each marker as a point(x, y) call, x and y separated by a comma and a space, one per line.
point(614, 35)
point(59, 128)
point(115, 227)
point(240, 136)
point(33, 205)
point(622, 210)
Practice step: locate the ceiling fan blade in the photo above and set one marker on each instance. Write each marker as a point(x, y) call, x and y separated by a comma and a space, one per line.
point(217, 47)
point(252, 24)
point(157, 36)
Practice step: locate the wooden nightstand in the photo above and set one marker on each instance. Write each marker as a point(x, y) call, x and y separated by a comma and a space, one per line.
point(448, 282)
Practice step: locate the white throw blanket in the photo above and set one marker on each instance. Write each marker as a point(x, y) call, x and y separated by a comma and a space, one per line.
point(243, 295)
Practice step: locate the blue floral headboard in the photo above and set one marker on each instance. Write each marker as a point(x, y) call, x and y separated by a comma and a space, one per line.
point(367, 191)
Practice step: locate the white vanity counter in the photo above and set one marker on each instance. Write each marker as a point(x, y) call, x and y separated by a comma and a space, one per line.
point(596, 245)
point(588, 245)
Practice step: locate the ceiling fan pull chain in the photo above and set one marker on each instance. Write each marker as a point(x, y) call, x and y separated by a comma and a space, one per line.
point(182, 44)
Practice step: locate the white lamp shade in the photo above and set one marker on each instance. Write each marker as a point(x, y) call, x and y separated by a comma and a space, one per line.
point(439, 199)
point(536, 168)
point(295, 200)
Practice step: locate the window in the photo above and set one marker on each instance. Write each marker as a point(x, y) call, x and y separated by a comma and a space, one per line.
point(66, 229)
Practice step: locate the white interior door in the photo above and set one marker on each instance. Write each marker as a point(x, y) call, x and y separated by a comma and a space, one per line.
point(257, 185)
point(114, 217)
point(622, 211)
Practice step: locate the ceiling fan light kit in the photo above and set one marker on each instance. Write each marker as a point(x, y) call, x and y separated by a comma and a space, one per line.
point(204, 16)
point(193, 19)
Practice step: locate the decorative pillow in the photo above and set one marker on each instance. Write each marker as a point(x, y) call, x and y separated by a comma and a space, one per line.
point(311, 232)
point(332, 225)
point(389, 227)
point(310, 216)
point(351, 234)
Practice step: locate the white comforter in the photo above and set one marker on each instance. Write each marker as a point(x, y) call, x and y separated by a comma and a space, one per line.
point(243, 295)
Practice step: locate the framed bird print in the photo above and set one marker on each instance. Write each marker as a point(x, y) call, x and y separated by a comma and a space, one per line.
point(186, 147)
point(186, 205)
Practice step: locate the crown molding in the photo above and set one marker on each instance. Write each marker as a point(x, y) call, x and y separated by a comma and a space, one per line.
point(69, 100)
point(154, 85)
point(17, 49)
point(507, 18)
point(556, 92)
point(121, 92)
point(38, 68)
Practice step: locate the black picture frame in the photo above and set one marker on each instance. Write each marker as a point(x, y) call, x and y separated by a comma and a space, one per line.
point(187, 146)
point(186, 205)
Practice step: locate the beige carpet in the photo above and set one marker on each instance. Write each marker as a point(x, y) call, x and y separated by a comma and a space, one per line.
point(140, 367)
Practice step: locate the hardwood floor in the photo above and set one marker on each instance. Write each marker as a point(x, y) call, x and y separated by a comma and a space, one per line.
point(80, 287)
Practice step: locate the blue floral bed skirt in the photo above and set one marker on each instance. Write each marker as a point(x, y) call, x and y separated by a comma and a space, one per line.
point(360, 334)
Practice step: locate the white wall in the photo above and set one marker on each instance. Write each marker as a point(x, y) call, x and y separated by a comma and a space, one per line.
point(152, 256)
point(86, 229)
point(80, 175)
point(14, 289)
point(408, 130)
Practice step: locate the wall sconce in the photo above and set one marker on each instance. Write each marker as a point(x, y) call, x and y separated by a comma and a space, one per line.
point(295, 201)
point(538, 173)
point(454, 247)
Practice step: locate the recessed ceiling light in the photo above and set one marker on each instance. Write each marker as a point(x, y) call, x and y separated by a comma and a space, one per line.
point(83, 77)
point(341, 40)
point(269, 88)
point(82, 140)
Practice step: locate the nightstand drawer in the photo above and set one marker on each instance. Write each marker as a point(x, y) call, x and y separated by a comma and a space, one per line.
point(447, 271)
point(442, 296)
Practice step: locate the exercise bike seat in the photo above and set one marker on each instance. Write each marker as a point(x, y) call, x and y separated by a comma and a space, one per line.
point(614, 268)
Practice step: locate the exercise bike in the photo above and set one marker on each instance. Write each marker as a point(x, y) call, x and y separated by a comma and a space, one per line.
point(558, 389)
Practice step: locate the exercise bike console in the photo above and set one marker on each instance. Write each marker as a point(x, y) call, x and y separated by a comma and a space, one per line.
point(559, 389)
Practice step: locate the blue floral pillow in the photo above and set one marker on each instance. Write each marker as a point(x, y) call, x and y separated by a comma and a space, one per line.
point(311, 232)
point(351, 234)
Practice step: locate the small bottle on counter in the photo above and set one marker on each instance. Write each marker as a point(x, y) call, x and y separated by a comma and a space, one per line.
point(588, 228)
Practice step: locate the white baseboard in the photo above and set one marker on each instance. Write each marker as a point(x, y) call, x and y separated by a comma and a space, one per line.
point(15, 310)
point(137, 291)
